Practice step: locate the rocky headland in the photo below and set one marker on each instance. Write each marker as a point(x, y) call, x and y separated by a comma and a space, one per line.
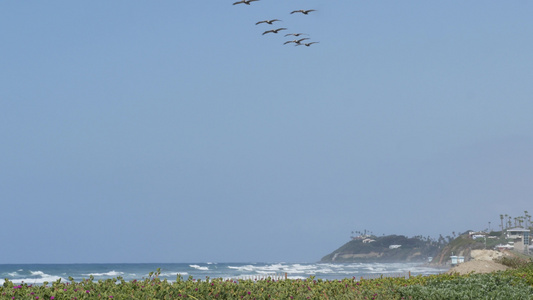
point(390, 248)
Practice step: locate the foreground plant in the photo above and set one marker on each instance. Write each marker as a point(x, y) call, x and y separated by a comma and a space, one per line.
point(514, 284)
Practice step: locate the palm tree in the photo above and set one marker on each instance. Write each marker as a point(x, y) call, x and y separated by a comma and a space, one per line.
point(506, 215)
point(449, 238)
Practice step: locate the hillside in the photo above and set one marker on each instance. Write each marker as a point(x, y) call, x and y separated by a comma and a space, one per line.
point(463, 245)
point(460, 246)
point(391, 248)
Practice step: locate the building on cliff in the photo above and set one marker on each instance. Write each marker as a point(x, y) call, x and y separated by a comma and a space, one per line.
point(521, 238)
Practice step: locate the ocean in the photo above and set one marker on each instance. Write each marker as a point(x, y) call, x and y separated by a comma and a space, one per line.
point(40, 273)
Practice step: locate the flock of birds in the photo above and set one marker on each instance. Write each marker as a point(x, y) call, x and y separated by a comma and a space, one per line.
point(297, 41)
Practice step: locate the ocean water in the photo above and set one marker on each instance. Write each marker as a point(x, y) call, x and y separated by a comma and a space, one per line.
point(39, 273)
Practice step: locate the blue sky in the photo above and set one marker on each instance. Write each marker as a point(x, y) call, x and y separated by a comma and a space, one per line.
point(136, 131)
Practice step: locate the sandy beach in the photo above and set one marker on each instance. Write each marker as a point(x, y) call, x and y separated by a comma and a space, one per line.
point(482, 262)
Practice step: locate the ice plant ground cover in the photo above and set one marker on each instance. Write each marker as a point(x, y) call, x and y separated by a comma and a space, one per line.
point(511, 284)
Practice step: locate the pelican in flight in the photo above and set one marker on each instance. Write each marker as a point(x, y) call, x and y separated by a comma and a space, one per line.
point(295, 41)
point(305, 12)
point(296, 34)
point(274, 30)
point(247, 2)
point(269, 22)
point(306, 44)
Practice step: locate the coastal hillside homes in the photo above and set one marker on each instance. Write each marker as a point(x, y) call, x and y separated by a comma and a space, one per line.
point(502, 247)
point(366, 241)
point(477, 234)
point(360, 237)
point(520, 237)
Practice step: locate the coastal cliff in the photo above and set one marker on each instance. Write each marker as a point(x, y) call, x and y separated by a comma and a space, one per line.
point(460, 246)
point(390, 248)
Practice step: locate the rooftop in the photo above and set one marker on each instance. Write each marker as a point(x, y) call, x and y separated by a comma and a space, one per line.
point(518, 229)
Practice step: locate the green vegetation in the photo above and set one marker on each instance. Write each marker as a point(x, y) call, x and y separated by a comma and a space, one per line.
point(493, 242)
point(513, 261)
point(511, 284)
point(372, 248)
point(480, 286)
point(462, 245)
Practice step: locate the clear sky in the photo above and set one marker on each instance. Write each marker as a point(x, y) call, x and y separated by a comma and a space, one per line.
point(175, 131)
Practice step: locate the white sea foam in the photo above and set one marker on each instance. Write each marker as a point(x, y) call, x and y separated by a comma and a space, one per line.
point(110, 273)
point(37, 273)
point(174, 274)
point(344, 272)
point(296, 277)
point(331, 266)
point(286, 268)
point(293, 268)
point(197, 267)
point(47, 278)
point(274, 267)
point(327, 271)
point(248, 268)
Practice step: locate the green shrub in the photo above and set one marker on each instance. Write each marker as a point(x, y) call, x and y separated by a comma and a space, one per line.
point(512, 261)
point(475, 286)
point(511, 284)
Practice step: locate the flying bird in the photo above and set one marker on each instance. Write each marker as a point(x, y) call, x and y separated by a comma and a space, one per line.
point(305, 12)
point(296, 34)
point(269, 22)
point(295, 41)
point(306, 44)
point(247, 2)
point(274, 30)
